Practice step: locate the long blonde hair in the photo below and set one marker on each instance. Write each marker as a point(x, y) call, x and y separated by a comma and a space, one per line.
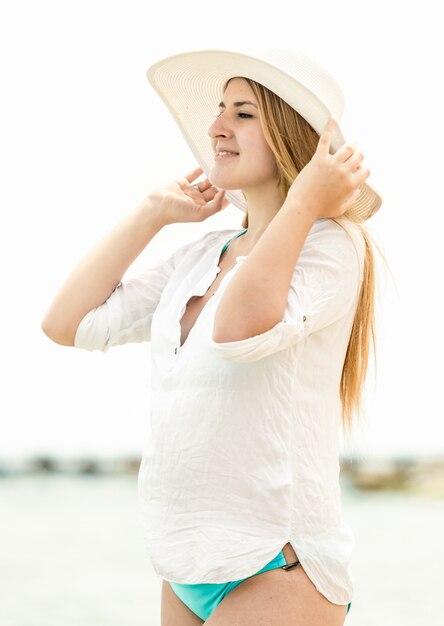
point(293, 142)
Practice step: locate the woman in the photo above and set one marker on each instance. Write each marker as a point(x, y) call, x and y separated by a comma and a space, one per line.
point(259, 341)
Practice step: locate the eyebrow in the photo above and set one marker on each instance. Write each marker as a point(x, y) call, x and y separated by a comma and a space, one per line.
point(237, 104)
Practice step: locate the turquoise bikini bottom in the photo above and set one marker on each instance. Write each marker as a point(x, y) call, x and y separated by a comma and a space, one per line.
point(203, 598)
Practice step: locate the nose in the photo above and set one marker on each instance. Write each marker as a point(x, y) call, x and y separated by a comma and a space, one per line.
point(219, 129)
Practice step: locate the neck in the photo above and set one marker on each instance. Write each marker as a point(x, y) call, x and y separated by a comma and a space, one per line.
point(262, 208)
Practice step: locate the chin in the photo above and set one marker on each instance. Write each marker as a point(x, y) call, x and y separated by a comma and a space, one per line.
point(223, 181)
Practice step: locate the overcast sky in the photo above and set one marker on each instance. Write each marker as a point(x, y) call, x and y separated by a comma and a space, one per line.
point(84, 138)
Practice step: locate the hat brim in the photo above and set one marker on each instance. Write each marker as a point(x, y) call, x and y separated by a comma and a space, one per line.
point(191, 86)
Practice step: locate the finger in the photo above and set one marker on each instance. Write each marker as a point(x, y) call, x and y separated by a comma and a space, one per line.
point(205, 184)
point(224, 202)
point(345, 152)
point(351, 200)
point(354, 162)
point(355, 194)
point(193, 174)
point(218, 202)
point(323, 147)
point(360, 175)
point(209, 193)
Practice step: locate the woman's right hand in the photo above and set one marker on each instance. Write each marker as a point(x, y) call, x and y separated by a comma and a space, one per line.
point(181, 201)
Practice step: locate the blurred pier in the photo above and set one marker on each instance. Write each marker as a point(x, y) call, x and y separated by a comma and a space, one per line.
point(424, 475)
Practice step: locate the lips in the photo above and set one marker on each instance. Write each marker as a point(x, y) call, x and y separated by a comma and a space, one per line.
point(223, 157)
point(221, 149)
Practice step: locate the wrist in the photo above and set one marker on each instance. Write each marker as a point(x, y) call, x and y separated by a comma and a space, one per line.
point(148, 212)
point(301, 207)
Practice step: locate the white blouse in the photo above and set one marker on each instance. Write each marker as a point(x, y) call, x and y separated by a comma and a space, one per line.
point(243, 449)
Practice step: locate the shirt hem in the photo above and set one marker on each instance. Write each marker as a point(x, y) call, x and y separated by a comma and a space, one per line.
point(340, 598)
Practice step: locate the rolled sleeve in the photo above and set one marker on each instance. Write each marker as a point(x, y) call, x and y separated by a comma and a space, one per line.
point(125, 317)
point(284, 334)
point(324, 286)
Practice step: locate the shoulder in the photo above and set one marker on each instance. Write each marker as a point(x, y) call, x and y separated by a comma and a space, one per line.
point(340, 230)
point(208, 239)
point(214, 236)
point(196, 247)
point(338, 226)
point(211, 239)
point(339, 240)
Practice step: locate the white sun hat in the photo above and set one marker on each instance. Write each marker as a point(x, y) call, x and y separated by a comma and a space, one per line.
point(191, 85)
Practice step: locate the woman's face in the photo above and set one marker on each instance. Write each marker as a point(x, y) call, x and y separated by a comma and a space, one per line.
point(237, 128)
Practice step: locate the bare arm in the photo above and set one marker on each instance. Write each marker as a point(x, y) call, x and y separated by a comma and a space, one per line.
point(256, 297)
point(100, 271)
point(92, 282)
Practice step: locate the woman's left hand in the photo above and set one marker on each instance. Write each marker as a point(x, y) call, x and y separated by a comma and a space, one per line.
point(329, 184)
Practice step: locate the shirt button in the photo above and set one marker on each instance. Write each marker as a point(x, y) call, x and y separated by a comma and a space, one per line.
point(175, 350)
point(304, 318)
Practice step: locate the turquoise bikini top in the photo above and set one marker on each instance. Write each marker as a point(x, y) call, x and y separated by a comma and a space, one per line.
point(230, 240)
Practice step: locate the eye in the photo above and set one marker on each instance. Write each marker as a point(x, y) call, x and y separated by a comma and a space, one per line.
point(247, 114)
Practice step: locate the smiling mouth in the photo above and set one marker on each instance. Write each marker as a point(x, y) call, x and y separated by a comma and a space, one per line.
point(221, 156)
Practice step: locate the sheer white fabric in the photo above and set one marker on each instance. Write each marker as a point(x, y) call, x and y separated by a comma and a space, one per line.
point(243, 448)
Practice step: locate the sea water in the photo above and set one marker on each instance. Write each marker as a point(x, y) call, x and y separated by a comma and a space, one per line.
point(72, 554)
